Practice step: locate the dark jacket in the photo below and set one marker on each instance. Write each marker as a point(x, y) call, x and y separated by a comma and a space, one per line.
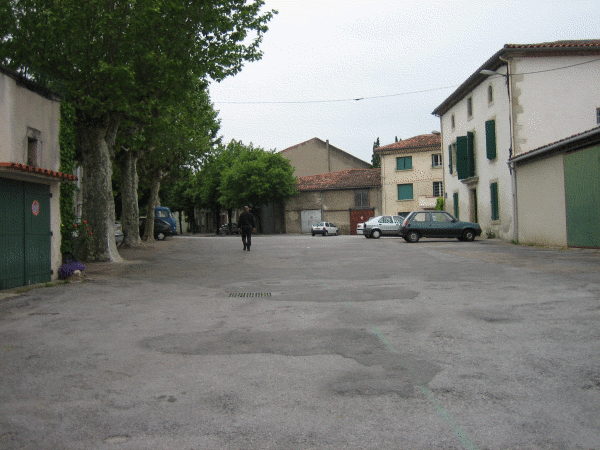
point(246, 221)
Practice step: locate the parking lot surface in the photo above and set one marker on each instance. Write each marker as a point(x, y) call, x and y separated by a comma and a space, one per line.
point(305, 342)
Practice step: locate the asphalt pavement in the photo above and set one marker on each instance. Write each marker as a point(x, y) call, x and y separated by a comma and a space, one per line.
point(336, 342)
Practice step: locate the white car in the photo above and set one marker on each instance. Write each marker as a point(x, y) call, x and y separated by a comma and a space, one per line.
point(324, 228)
point(382, 226)
point(360, 228)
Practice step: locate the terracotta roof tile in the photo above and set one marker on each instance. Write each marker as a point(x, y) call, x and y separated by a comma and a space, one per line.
point(38, 171)
point(558, 44)
point(424, 140)
point(344, 179)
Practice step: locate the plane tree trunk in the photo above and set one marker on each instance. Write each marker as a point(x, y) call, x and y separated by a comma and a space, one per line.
point(96, 138)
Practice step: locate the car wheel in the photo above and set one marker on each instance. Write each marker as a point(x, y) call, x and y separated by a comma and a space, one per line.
point(160, 236)
point(325, 233)
point(376, 234)
point(367, 236)
point(313, 234)
point(413, 237)
point(468, 235)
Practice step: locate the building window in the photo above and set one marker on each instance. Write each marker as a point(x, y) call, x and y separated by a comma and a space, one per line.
point(405, 191)
point(455, 199)
point(490, 139)
point(495, 201)
point(597, 115)
point(452, 158)
point(361, 198)
point(437, 189)
point(490, 94)
point(34, 138)
point(465, 156)
point(470, 107)
point(453, 122)
point(436, 160)
point(404, 163)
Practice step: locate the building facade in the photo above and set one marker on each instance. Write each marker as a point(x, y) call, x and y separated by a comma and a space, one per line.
point(411, 174)
point(29, 182)
point(524, 97)
point(345, 198)
point(314, 157)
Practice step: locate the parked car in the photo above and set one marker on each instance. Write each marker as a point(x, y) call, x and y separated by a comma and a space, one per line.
point(379, 226)
point(162, 228)
point(224, 229)
point(164, 213)
point(360, 227)
point(324, 228)
point(437, 224)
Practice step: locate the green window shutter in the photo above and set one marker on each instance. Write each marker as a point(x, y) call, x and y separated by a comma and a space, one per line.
point(450, 157)
point(495, 201)
point(455, 204)
point(404, 163)
point(405, 192)
point(462, 163)
point(471, 154)
point(490, 139)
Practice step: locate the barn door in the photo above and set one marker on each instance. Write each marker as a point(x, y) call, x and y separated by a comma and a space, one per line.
point(24, 233)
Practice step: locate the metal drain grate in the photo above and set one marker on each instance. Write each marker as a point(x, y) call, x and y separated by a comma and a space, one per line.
point(250, 294)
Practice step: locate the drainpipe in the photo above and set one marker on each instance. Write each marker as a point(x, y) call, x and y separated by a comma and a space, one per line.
point(328, 156)
point(511, 165)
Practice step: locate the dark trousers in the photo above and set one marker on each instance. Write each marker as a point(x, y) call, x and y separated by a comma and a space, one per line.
point(247, 237)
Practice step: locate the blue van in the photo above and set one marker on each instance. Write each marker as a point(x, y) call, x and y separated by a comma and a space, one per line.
point(162, 212)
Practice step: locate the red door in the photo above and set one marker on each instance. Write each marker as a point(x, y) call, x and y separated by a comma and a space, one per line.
point(359, 215)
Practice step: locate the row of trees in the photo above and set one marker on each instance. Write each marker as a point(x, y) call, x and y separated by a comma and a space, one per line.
point(136, 75)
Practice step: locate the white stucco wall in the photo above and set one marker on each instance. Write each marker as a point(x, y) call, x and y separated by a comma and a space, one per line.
point(551, 100)
point(541, 201)
point(21, 109)
point(486, 171)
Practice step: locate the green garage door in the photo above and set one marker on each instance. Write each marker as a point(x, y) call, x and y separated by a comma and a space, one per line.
point(24, 233)
point(582, 190)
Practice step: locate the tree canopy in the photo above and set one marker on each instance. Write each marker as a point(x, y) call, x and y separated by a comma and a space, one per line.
point(115, 59)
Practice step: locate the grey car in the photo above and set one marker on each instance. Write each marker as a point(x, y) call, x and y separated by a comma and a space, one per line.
point(379, 226)
point(437, 224)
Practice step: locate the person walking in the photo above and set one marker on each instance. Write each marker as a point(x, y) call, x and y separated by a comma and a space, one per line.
point(246, 225)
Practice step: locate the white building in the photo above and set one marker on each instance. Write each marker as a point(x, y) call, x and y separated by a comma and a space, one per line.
point(523, 98)
point(29, 182)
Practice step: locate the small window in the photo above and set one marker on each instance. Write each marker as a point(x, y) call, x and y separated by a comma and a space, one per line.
point(437, 189)
point(490, 94)
point(453, 122)
point(32, 152)
point(34, 147)
point(404, 163)
point(405, 191)
point(361, 198)
point(470, 107)
point(597, 115)
point(436, 160)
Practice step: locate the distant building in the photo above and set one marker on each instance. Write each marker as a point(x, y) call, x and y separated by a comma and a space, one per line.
point(411, 174)
point(314, 157)
point(345, 198)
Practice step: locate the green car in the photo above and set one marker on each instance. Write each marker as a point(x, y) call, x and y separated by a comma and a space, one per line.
point(437, 224)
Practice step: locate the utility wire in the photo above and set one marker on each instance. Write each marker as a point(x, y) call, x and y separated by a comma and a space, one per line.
point(394, 95)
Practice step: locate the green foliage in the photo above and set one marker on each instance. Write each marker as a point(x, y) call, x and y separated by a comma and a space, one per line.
point(439, 205)
point(256, 177)
point(67, 165)
point(376, 159)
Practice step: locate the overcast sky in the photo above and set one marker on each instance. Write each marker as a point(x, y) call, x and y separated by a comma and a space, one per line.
point(401, 57)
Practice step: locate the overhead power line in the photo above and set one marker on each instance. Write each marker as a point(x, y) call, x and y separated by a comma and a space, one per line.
point(260, 102)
